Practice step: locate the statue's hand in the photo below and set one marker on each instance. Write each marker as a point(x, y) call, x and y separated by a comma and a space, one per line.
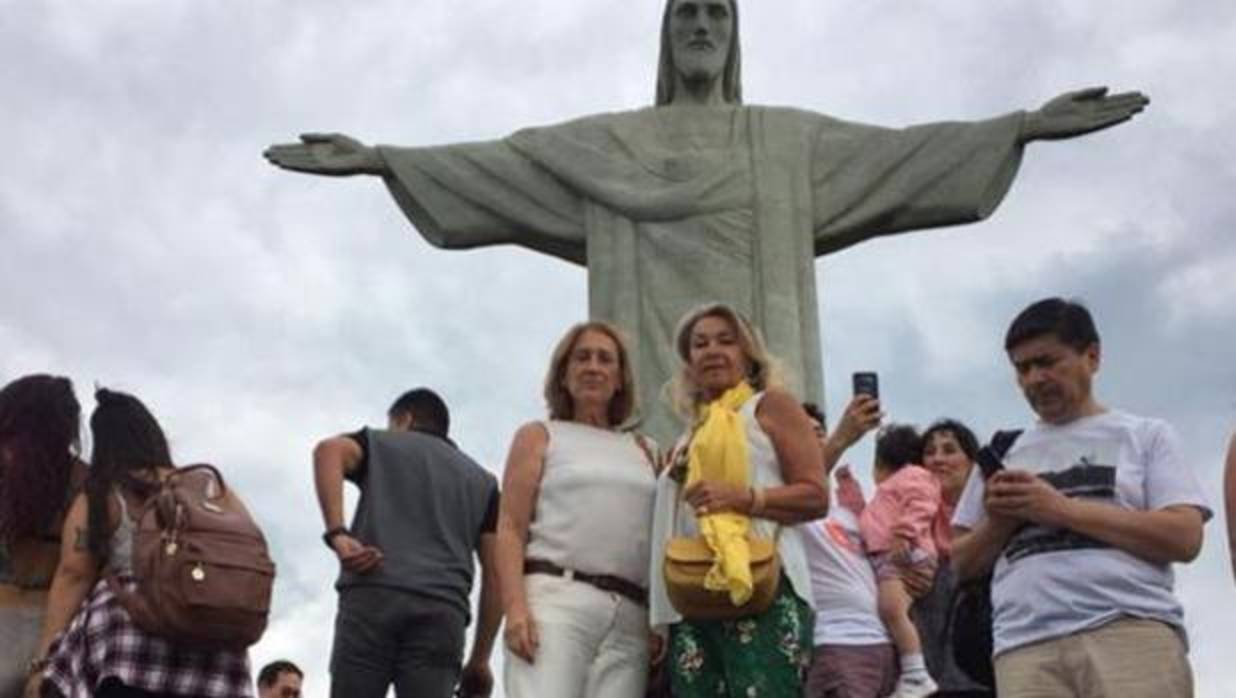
point(1081, 112)
point(331, 154)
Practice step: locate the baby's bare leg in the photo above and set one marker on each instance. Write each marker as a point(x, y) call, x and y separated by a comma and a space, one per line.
point(894, 606)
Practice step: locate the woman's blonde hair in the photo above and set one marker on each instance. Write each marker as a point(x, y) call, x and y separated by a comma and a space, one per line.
point(765, 371)
point(622, 407)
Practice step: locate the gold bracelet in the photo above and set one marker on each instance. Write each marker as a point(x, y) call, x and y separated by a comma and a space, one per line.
point(757, 501)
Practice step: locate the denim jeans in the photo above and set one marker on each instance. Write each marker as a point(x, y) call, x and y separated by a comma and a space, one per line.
point(387, 637)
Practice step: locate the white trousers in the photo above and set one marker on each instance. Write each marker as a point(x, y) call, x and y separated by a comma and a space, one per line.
point(594, 644)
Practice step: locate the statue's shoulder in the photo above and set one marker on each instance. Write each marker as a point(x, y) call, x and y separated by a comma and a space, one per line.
point(587, 128)
point(805, 118)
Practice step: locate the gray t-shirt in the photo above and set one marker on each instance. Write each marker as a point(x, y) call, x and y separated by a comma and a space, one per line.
point(1054, 582)
point(425, 505)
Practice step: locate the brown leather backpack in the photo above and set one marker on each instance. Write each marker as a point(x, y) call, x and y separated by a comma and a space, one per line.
point(204, 576)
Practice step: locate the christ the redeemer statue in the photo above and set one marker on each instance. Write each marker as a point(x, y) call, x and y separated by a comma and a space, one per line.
point(701, 198)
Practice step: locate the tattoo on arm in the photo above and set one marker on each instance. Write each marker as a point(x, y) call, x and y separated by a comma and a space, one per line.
point(80, 539)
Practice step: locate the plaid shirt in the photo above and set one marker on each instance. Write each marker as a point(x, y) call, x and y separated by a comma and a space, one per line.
point(102, 642)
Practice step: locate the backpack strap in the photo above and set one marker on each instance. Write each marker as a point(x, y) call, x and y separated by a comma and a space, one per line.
point(1002, 441)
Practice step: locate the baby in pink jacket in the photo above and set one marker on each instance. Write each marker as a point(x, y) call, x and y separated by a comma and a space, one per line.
point(901, 530)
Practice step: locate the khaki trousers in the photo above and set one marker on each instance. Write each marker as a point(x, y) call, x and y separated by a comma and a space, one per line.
point(1127, 658)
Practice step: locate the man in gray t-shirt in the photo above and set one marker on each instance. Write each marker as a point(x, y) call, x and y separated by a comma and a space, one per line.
point(1082, 527)
point(406, 562)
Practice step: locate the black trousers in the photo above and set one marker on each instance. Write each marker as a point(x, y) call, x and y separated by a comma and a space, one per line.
point(386, 637)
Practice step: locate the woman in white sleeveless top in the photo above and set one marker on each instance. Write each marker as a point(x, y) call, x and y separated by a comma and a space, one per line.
point(574, 528)
point(728, 389)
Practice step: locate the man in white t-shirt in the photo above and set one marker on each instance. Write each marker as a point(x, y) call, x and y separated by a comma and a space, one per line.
point(1082, 528)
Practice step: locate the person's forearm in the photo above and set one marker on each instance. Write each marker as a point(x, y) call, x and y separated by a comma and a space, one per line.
point(68, 591)
point(1160, 537)
point(489, 616)
point(794, 504)
point(510, 557)
point(833, 449)
point(974, 552)
point(328, 482)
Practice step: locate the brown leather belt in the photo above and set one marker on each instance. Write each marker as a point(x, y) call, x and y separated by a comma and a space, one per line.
point(604, 582)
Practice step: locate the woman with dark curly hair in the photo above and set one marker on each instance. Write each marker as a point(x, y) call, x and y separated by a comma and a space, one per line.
point(39, 426)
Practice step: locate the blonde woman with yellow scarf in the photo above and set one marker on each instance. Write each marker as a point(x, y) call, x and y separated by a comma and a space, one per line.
point(748, 464)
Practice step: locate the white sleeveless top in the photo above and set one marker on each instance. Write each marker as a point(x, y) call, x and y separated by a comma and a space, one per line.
point(594, 510)
point(765, 472)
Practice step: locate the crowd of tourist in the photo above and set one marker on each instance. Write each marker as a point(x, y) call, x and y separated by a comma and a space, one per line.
point(739, 560)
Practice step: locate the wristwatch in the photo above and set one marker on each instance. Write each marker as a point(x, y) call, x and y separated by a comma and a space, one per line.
point(332, 533)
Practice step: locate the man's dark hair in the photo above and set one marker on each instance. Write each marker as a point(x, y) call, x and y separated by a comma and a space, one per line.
point(898, 445)
point(1069, 321)
point(965, 438)
point(269, 675)
point(428, 411)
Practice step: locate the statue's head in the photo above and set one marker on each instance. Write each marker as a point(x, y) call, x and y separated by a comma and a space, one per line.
point(699, 42)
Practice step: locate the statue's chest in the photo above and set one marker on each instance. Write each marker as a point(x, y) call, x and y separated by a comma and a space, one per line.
point(683, 146)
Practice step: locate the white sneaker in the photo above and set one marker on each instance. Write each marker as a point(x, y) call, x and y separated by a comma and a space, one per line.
point(914, 687)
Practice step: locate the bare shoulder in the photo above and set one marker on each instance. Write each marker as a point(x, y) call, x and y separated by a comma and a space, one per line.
point(343, 442)
point(527, 453)
point(531, 435)
point(78, 509)
point(778, 404)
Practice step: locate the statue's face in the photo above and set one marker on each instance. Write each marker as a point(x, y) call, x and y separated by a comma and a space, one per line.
point(701, 32)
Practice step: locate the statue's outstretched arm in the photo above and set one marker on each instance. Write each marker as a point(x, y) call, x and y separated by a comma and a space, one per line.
point(1078, 113)
point(332, 154)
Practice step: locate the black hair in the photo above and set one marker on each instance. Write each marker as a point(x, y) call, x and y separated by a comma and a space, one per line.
point(40, 423)
point(898, 445)
point(129, 448)
point(962, 433)
point(428, 411)
point(1067, 320)
point(269, 674)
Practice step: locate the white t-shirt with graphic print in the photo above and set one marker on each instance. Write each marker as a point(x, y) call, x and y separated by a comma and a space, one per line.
point(842, 582)
point(1049, 582)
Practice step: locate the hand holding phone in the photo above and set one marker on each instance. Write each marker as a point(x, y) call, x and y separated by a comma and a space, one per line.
point(867, 383)
point(988, 462)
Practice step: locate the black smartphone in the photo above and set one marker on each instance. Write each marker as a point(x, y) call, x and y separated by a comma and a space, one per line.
point(988, 462)
point(867, 383)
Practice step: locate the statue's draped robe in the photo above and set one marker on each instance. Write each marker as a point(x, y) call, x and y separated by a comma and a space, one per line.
point(670, 207)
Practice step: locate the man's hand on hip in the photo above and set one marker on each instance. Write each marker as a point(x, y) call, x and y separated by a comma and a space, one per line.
point(354, 556)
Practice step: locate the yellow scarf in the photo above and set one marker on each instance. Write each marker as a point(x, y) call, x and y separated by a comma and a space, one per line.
point(719, 454)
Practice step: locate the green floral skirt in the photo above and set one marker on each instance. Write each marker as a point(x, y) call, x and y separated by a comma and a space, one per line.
point(759, 656)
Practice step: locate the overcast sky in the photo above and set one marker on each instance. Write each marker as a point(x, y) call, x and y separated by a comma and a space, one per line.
point(145, 245)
